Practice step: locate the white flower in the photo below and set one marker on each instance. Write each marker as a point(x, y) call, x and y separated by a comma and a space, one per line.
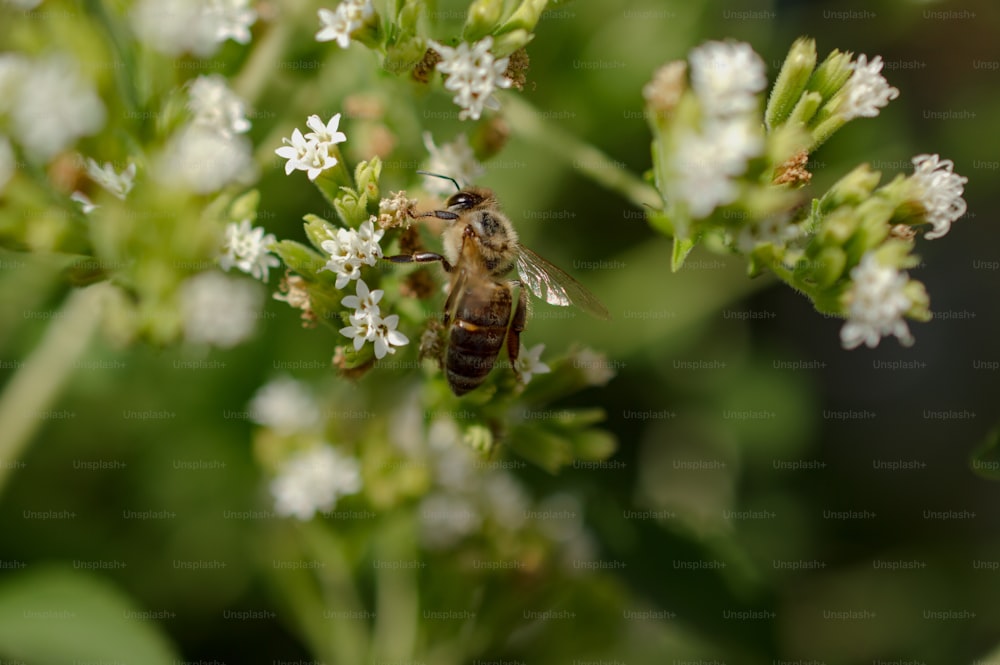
point(362, 328)
point(773, 229)
point(307, 155)
point(214, 105)
point(8, 163)
point(940, 192)
point(119, 184)
point(726, 76)
point(231, 19)
point(204, 160)
point(387, 337)
point(395, 210)
point(285, 405)
point(866, 91)
point(52, 106)
point(705, 163)
point(325, 133)
point(219, 310)
point(349, 249)
point(86, 205)
point(473, 75)
point(365, 302)
point(529, 362)
point(311, 481)
point(455, 160)
point(877, 303)
point(337, 25)
point(248, 248)
point(174, 27)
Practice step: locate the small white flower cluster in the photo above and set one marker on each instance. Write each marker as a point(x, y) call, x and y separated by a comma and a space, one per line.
point(219, 310)
point(285, 405)
point(941, 192)
point(529, 362)
point(249, 249)
point(473, 74)
point(368, 325)
point(867, 90)
point(208, 152)
point(313, 480)
point(314, 152)
point(878, 302)
point(198, 27)
point(341, 22)
point(726, 77)
point(454, 159)
point(47, 103)
point(350, 249)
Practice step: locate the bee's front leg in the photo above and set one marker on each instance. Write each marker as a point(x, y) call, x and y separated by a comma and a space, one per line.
point(517, 323)
point(420, 257)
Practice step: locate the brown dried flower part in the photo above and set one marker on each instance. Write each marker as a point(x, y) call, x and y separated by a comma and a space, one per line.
point(903, 232)
point(490, 138)
point(293, 291)
point(517, 68)
point(396, 211)
point(425, 68)
point(665, 89)
point(793, 171)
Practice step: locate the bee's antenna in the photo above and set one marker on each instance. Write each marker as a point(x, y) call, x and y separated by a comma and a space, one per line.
point(443, 177)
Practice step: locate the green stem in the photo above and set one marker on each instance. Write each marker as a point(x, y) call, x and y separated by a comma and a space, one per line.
point(593, 163)
point(37, 384)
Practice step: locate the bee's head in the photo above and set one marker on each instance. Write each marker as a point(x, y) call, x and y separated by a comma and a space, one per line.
point(469, 198)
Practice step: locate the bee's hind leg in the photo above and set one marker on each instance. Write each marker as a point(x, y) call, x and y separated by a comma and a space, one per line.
point(516, 328)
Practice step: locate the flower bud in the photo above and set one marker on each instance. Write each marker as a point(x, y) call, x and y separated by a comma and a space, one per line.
point(482, 18)
point(791, 82)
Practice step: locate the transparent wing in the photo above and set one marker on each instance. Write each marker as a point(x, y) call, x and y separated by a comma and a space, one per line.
point(555, 286)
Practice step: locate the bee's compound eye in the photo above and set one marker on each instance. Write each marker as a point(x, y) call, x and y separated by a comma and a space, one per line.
point(461, 201)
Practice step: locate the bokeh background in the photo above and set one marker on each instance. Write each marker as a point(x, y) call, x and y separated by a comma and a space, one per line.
point(774, 499)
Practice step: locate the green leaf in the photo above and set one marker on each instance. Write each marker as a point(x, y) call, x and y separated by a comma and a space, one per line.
point(300, 259)
point(682, 247)
point(59, 615)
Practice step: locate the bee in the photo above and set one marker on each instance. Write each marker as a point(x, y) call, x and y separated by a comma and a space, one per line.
point(480, 314)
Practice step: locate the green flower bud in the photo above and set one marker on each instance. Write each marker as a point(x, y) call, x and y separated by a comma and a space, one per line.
point(508, 42)
point(791, 82)
point(352, 208)
point(366, 176)
point(805, 110)
point(479, 438)
point(318, 230)
point(483, 16)
point(921, 302)
point(828, 266)
point(245, 207)
point(525, 17)
point(831, 75)
point(851, 190)
point(299, 258)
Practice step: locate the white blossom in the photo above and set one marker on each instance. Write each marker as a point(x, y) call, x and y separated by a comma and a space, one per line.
point(447, 518)
point(473, 74)
point(867, 90)
point(529, 362)
point(350, 249)
point(219, 310)
point(365, 301)
point(249, 249)
point(198, 27)
point(361, 330)
point(51, 105)
point(706, 162)
point(337, 25)
point(387, 337)
point(455, 160)
point(285, 405)
point(314, 152)
point(940, 194)
point(313, 480)
point(119, 184)
point(214, 105)
point(876, 304)
point(367, 324)
point(726, 77)
point(204, 160)
point(86, 205)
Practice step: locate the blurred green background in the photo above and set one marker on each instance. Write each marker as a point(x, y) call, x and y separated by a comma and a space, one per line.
point(803, 492)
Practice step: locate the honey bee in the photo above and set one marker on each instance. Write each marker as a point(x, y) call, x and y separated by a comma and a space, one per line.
point(480, 249)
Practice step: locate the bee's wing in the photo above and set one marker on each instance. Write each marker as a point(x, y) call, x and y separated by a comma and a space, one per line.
point(555, 286)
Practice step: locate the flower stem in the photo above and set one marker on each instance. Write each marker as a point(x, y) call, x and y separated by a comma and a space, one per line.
point(593, 163)
point(37, 384)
